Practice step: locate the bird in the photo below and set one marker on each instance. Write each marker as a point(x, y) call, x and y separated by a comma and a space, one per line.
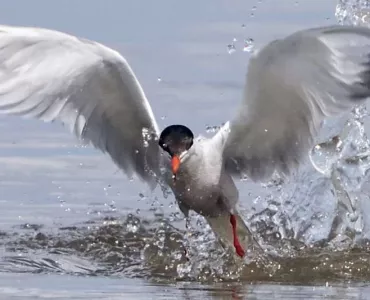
point(291, 86)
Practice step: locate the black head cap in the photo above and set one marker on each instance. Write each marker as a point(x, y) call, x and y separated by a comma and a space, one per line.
point(175, 139)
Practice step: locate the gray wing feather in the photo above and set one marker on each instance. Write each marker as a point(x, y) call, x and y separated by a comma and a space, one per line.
point(291, 86)
point(51, 76)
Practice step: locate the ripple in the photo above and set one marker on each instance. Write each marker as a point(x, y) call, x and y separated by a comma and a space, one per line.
point(155, 251)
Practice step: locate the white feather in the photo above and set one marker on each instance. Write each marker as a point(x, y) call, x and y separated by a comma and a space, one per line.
point(90, 88)
point(291, 86)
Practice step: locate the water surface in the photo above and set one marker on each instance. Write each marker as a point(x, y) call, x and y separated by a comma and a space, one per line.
point(74, 227)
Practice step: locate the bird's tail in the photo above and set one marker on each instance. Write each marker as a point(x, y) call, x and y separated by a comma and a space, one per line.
point(223, 229)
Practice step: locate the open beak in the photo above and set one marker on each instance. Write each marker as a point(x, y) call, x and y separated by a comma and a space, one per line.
point(175, 165)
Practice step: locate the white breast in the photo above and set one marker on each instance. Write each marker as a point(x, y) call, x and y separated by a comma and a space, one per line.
point(197, 184)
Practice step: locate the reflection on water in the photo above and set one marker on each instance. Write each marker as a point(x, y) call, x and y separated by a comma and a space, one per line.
point(17, 286)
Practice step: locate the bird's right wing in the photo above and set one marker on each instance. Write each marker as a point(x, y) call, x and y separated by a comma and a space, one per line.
point(292, 85)
point(90, 88)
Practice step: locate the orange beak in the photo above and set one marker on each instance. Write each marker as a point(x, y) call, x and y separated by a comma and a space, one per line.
point(175, 164)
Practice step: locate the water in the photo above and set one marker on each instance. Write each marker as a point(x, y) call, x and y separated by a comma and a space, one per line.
point(73, 227)
point(355, 12)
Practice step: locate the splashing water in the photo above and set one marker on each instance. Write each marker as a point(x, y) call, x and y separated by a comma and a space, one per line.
point(154, 249)
point(307, 237)
point(339, 179)
point(353, 12)
point(213, 129)
point(344, 160)
point(349, 169)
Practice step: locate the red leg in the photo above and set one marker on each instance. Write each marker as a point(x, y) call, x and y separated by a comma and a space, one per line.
point(238, 248)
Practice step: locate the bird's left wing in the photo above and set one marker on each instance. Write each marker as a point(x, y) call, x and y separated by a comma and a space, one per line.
point(91, 88)
point(292, 85)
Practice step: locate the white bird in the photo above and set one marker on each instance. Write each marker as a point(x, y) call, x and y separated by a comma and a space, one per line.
point(292, 84)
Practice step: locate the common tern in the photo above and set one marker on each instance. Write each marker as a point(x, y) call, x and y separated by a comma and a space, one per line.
point(292, 85)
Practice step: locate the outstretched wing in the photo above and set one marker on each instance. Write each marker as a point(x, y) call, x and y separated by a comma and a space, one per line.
point(90, 88)
point(292, 85)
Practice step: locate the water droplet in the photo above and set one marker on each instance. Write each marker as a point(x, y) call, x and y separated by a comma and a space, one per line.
point(159, 79)
point(231, 48)
point(257, 199)
point(212, 129)
point(132, 228)
point(147, 136)
point(353, 217)
point(248, 45)
point(163, 117)
point(183, 269)
point(324, 155)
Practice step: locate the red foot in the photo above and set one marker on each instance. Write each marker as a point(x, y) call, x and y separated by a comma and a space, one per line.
point(238, 248)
